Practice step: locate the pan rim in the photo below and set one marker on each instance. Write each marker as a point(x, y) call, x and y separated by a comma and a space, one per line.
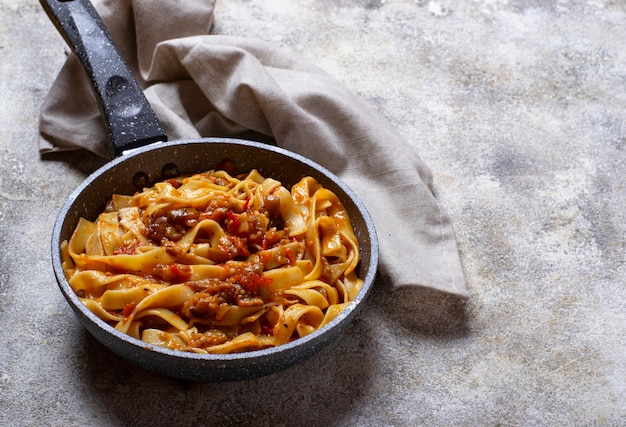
point(254, 355)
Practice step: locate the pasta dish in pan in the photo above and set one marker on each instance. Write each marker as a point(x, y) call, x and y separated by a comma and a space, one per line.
point(213, 263)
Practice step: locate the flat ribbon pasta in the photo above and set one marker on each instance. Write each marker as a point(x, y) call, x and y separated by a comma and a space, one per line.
point(212, 263)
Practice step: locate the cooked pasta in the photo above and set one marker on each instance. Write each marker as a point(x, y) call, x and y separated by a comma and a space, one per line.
point(212, 263)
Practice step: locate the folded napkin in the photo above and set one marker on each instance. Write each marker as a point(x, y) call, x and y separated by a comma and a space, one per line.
point(202, 85)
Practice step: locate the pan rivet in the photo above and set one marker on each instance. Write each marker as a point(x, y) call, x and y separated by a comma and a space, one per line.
point(140, 180)
point(170, 170)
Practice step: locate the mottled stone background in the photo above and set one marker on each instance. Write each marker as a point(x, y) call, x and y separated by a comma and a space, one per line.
point(519, 109)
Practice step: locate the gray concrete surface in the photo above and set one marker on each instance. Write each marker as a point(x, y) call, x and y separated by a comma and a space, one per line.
point(518, 107)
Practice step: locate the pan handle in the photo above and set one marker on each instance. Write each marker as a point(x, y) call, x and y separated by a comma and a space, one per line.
point(130, 120)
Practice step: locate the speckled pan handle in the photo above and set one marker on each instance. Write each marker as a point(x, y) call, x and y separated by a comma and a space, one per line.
point(130, 120)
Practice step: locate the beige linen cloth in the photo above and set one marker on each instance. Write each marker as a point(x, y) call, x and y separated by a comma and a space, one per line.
point(202, 85)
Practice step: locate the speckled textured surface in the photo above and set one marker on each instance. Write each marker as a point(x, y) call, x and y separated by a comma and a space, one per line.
point(519, 109)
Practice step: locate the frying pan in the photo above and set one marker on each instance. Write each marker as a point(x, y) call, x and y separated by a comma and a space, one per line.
point(144, 156)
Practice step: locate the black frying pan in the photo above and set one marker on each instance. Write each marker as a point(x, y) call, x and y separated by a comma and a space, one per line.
point(132, 124)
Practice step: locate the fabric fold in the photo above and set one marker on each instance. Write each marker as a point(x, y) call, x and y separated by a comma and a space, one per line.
point(202, 85)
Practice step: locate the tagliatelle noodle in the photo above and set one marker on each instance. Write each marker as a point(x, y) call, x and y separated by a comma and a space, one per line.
point(212, 263)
